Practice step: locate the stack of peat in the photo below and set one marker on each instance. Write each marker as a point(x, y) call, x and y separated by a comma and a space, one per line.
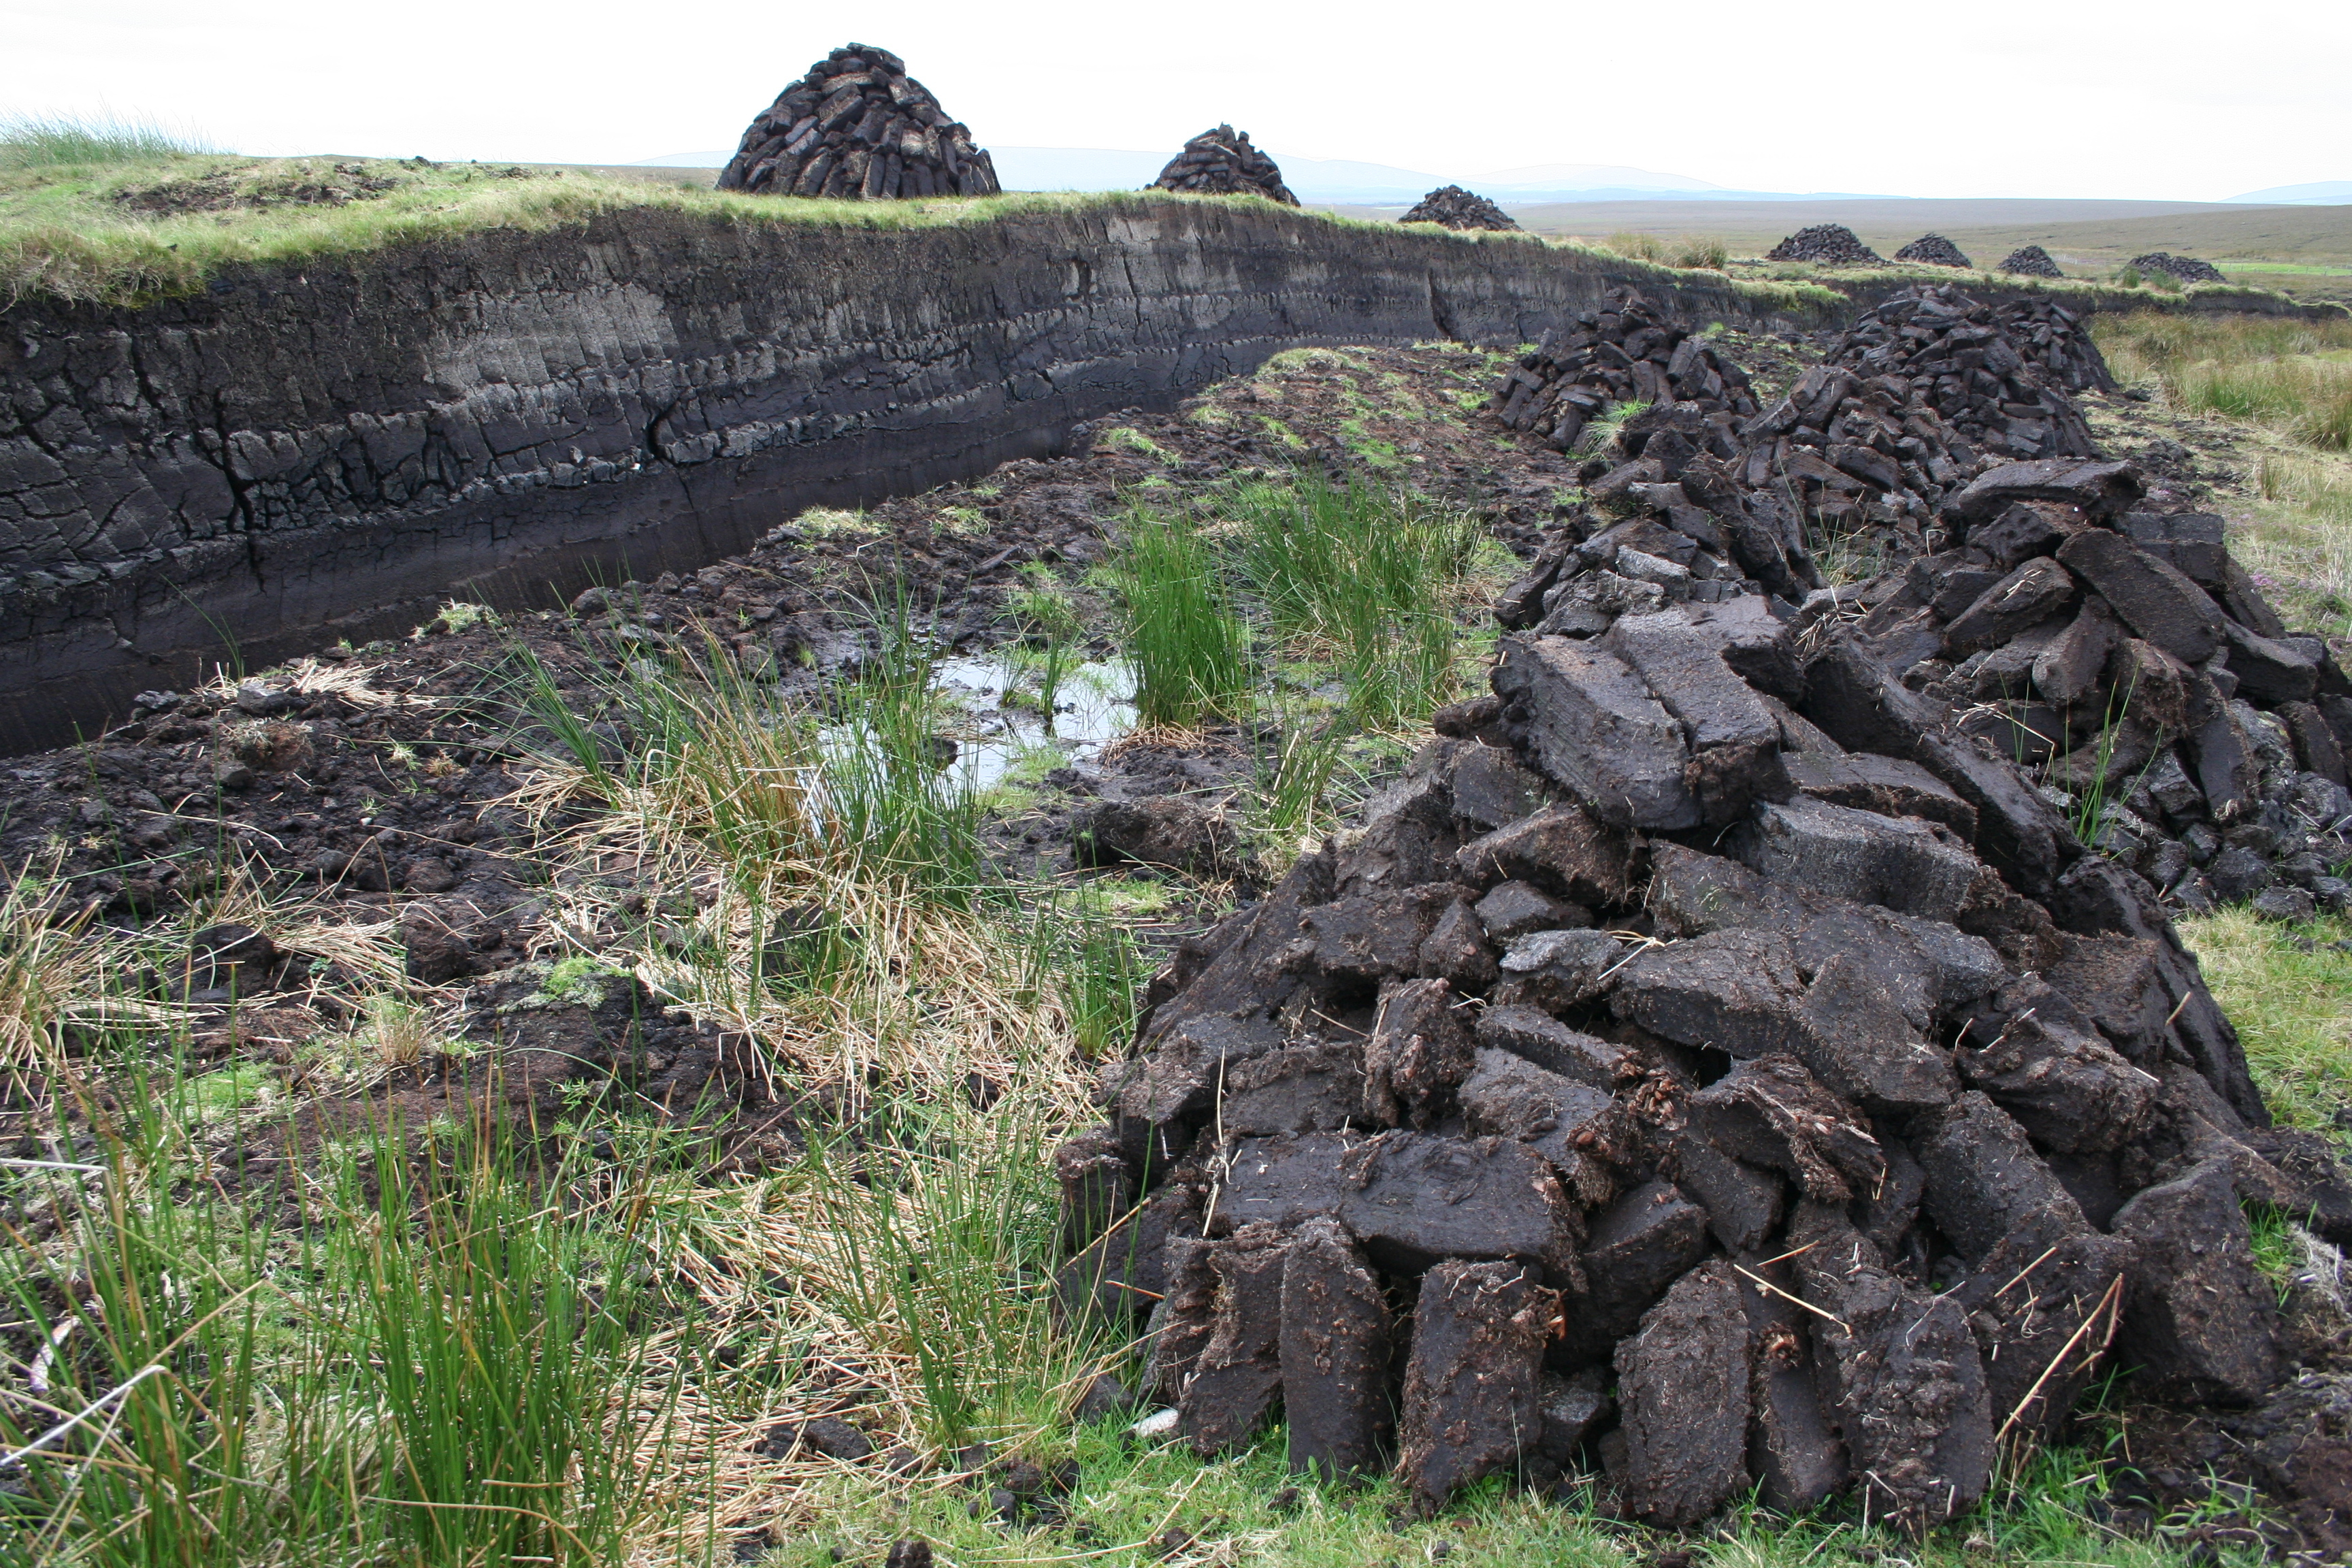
point(858, 126)
point(1222, 163)
point(1630, 351)
point(1922, 395)
point(2030, 261)
point(1705, 1038)
point(2125, 652)
point(1457, 208)
point(1828, 244)
point(1960, 359)
point(2188, 268)
point(1934, 250)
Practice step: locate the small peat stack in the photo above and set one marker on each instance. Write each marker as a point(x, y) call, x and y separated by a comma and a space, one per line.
point(1828, 244)
point(1629, 353)
point(1457, 208)
point(2030, 261)
point(858, 126)
point(1222, 163)
point(1706, 1015)
point(1933, 250)
point(2188, 268)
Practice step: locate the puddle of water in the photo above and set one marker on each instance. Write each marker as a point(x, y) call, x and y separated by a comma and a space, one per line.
point(1094, 705)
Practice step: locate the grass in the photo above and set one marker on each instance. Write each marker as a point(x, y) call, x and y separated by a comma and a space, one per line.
point(55, 141)
point(2301, 550)
point(2292, 376)
point(421, 1370)
point(2289, 382)
point(1180, 628)
point(1682, 251)
point(145, 215)
point(1135, 1501)
point(1372, 576)
point(2291, 1007)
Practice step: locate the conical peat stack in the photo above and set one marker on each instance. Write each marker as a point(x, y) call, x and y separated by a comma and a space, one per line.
point(858, 126)
point(2030, 261)
point(1457, 208)
point(1934, 250)
point(1222, 163)
point(1828, 244)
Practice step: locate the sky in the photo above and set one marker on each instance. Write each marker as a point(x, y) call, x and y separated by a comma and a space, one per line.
point(2156, 99)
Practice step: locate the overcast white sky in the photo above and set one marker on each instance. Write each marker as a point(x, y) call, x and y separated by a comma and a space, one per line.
point(2152, 98)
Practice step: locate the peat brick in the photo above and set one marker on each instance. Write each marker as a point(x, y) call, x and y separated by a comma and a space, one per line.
point(1410, 1198)
point(2269, 671)
point(1561, 848)
point(1335, 1355)
point(1794, 1449)
point(1855, 1036)
point(1457, 951)
point(1236, 1378)
point(1772, 1112)
point(1734, 740)
point(1903, 1374)
point(2199, 1322)
point(1183, 1320)
point(1125, 1270)
point(1682, 1384)
point(2068, 670)
point(2152, 597)
point(2029, 1301)
point(1743, 1202)
point(1555, 970)
point(1513, 910)
point(2194, 542)
point(1470, 1399)
point(1419, 1051)
point(1594, 727)
point(1313, 1087)
point(1551, 1045)
point(2100, 490)
point(2026, 597)
point(1736, 990)
point(2060, 1081)
point(1573, 1125)
point(1984, 1180)
point(1640, 1245)
point(1865, 781)
point(1839, 852)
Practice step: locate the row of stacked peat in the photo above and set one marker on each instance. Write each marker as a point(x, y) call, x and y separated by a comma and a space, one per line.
point(1711, 1036)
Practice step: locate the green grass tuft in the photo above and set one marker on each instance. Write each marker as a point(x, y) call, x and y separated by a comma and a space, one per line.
point(52, 142)
point(1189, 647)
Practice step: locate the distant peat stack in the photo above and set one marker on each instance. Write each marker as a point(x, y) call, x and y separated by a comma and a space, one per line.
point(1222, 163)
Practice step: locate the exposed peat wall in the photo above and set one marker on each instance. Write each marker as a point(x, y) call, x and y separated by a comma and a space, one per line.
point(320, 450)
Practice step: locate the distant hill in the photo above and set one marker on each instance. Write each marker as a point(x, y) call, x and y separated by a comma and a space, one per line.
point(2323, 193)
